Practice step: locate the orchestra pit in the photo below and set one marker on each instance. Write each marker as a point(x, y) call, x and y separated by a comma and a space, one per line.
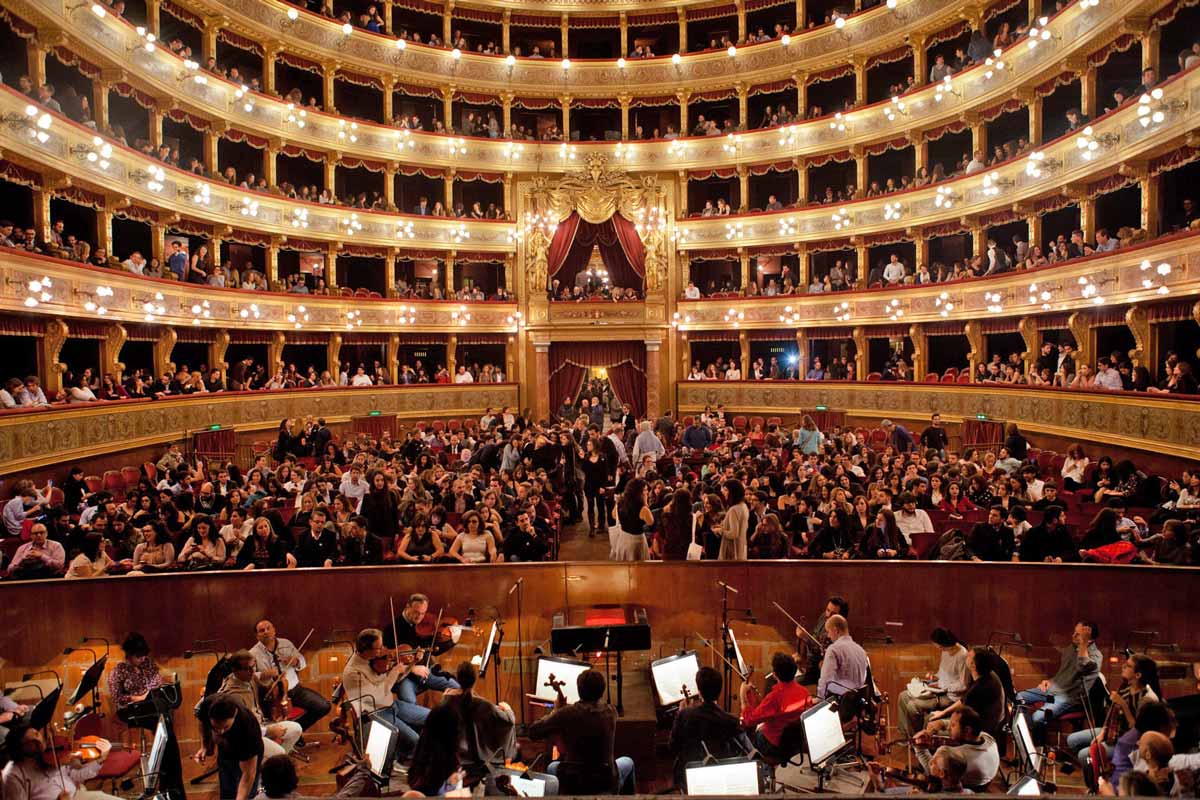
point(407, 398)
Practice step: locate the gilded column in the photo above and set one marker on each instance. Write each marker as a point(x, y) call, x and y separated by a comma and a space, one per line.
point(158, 241)
point(389, 88)
point(683, 37)
point(653, 378)
point(743, 173)
point(920, 356)
point(624, 100)
point(50, 346)
point(922, 256)
point(448, 189)
point(1034, 104)
point(41, 213)
point(271, 265)
point(391, 354)
point(328, 79)
point(100, 89)
point(920, 152)
point(155, 118)
point(565, 100)
point(331, 261)
point(35, 61)
point(510, 359)
point(506, 31)
point(801, 181)
point(741, 18)
point(801, 16)
point(1144, 337)
point(802, 266)
point(208, 39)
point(1151, 40)
point(331, 163)
point(216, 352)
point(212, 138)
point(979, 138)
point(333, 354)
point(541, 371)
point(743, 96)
point(448, 25)
point(685, 357)
point(110, 350)
point(1087, 218)
point(978, 343)
point(862, 173)
point(862, 353)
point(744, 353)
point(448, 107)
point(452, 355)
point(510, 267)
point(802, 364)
point(683, 193)
point(801, 79)
point(978, 239)
point(1087, 92)
point(275, 351)
point(920, 60)
point(506, 99)
point(683, 96)
point(1080, 325)
point(565, 27)
point(1034, 222)
point(1151, 188)
point(104, 223)
point(389, 266)
point(744, 267)
point(624, 25)
point(860, 80)
point(509, 210)
point(270, 53)
point(153, 14)
point(386, 9)
point(163, 345)
point(449, 268)
point(389, 185)
point(1028, 328)
point(270, 160)
point(862, 260)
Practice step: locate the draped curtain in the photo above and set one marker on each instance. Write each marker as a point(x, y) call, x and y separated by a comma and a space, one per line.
point(620, 248)
point(624, 361)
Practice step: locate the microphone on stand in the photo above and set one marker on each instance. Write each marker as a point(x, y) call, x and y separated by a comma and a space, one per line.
point(515, 585)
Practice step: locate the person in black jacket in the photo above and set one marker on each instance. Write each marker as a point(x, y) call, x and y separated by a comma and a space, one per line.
point(706, 728)
point(264, 550)
point(1015, 443)
point(991, 540)
point(381, 507)
point(360, 547)
point(524, 543)
point(1050, 541)
point(319, 546)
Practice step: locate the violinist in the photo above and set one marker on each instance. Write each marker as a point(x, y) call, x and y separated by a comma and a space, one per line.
point(782, 706)
point(368, 679)
point(808, 652)
point(970, 742)
point(274, 655)
point(985, 695)
point(586, 735)
point(32, 774)
point(703, 728)
point(414, 629)
point(1139, 684)
point(279, 738)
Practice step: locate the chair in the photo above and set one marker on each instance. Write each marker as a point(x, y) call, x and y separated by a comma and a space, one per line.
point(756, 422)
point(688, 420)
point(120, 762)
point(951, 373)
point(933, 377)
point(131, 475)
point(56, 498)
point(346, 291)
point(1045, 461)
point(948, 378)
point(775, 421)
point(454, 425)
point(879, 439)
point(739, 424)
point(874, 376)
point(361, 293)
point(439, 425)
point(964, 377)
point(114, 482)
point(151, 471)
point(93, 482)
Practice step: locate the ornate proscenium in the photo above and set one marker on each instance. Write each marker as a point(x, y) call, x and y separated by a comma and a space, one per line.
point(596, 193)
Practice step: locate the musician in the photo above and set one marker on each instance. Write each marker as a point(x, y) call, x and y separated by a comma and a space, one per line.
point(1139, 684)
point(781, 706)
point(420, 677)
point(705, 728)
point(943, 689)
point(487, 731)
point(274, 655)
point(12, 714)
point(368, 679)
point(130, 684)
point(586, 735)
point(30, 776)
point(242, 687)
point(233, 733)
point(946, 768)
point(975, 746)
point(808, 654)
point(844, 667)
point(1077, 671)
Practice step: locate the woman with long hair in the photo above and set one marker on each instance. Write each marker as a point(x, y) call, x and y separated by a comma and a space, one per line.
point(474, 545)
point(596, 488)
point(381, 507)
point(636, 521)
point(435, 767)
point(677, 528)
point(734, 546)
point(884, 539)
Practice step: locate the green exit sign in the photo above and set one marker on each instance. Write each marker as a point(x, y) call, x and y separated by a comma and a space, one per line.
point(214, 427)
point(981, 416)
point(374, 413)
point(822, 408)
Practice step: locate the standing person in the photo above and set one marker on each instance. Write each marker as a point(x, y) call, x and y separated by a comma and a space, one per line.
point(734, 542)
point(586, 736)
point(274, 655)
point(232, 733)
point(596, 486)
point(677, 528)
point(636, 519)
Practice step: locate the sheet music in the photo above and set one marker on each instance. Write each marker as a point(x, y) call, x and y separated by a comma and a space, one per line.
point(529, 787)
point(723, 779)
point(670, 676)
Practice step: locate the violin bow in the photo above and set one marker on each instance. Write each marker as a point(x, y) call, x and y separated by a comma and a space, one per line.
point(395, 636)
point(437, 627)
point(744, 676)
point(282, 672)
point(801, 628)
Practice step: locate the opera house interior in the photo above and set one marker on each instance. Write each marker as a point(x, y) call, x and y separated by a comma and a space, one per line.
point(486, 397)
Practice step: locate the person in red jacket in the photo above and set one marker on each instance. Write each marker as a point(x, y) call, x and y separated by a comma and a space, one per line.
point(782, 706)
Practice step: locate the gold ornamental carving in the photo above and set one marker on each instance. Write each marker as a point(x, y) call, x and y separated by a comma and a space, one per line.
point(596, 193)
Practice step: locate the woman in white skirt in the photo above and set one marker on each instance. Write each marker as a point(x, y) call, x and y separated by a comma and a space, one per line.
point(635, 520)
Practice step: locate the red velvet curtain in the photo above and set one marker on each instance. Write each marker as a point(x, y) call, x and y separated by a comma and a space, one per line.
point(620, 247)
point(624, 361)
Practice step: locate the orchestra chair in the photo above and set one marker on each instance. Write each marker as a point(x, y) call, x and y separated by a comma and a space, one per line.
point(791, 742)
point(121, 761)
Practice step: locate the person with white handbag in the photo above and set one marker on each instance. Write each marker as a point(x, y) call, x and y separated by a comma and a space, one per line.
point(634, 520)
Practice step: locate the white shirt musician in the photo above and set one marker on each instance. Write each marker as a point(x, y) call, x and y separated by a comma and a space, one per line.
point(273, 655)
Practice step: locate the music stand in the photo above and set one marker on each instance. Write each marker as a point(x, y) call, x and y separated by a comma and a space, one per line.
point(89, 682)
point(1029, 761)
point(380, 750)
point(565, 669)
point(525, 782)
point(671, 674)
point(43, 713)
point(824, 740)
point(158, 748)
point(731, 777)
point(491, 653)
point(1027, 786)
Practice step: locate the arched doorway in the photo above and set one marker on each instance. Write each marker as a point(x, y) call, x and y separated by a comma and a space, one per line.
point(624, 365)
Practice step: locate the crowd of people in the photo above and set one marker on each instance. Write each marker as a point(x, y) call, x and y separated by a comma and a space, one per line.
point(89, 386)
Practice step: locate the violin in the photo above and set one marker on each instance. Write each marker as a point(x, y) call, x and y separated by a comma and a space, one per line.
point(926, 783)
point(85, 750)
point(442, 632)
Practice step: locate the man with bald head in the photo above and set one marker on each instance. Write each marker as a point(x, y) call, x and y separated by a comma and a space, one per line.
point(845, 666)
point(273, 656)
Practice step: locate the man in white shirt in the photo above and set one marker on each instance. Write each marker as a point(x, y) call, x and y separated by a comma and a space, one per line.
point(27, 501)
point(911, 519)
point(614, 435)
point(976, 164)
point(893, 273)
point(462, 376)
point(361, 378)
point(692, 292)
point(647, 443)
point(136, 263)
point(976, 747)
point(1108, 378)
point(353, 486)
point(1104, 242)
point(273, 655)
